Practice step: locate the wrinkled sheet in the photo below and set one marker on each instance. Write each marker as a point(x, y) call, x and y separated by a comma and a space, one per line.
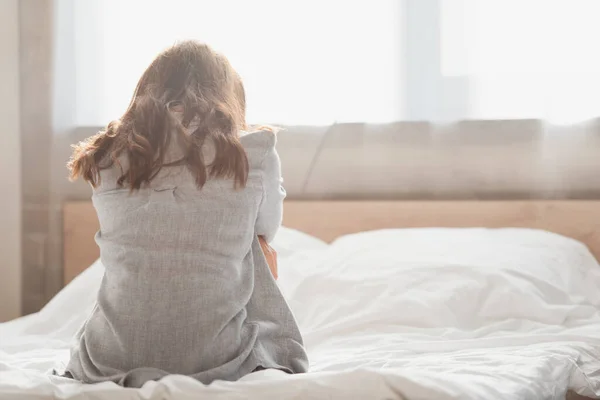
point(415, 313)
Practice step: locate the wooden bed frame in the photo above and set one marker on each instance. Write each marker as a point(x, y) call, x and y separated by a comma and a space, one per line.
point(331, 219)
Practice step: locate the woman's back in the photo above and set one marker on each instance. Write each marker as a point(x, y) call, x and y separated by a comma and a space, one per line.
point(179, 282)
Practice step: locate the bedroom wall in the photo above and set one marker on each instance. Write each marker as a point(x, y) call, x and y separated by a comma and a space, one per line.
point(39, 277)
point(10, 201)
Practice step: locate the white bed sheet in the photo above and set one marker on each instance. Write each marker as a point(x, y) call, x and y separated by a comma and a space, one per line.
point(419, 314)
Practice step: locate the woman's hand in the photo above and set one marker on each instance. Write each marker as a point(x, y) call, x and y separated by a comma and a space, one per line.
point(270, 255)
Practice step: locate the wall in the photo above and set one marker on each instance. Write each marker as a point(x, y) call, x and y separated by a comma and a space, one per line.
point(36, 55)
point(10, 165)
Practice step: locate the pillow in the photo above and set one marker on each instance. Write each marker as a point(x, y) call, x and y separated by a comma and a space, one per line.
point(451, 281)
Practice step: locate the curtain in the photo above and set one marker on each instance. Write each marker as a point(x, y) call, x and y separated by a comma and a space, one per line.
point(317, 62)
point(523, 58)
point(308, 61)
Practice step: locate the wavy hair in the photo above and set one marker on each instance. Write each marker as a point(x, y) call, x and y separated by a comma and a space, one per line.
point(200, 83)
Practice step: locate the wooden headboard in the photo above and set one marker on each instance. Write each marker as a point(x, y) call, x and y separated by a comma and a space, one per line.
point(330, 219)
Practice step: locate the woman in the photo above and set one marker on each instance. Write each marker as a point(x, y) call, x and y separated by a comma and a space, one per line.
point(183, 194)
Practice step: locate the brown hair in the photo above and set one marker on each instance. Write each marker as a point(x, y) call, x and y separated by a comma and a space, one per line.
point(199, 82)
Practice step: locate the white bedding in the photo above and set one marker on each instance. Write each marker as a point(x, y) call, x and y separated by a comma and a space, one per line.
point(421, 313)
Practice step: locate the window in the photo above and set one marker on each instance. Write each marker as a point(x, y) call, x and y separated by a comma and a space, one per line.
point(524, 59)
point(316, 62)
point(303, 62)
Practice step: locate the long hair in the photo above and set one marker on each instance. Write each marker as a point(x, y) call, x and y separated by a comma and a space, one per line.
point(191, 78)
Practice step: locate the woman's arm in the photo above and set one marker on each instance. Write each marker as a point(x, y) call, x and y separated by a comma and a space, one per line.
point(270, 212)
point(270, 255)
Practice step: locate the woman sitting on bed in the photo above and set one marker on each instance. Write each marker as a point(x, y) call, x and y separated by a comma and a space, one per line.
point(184, 196)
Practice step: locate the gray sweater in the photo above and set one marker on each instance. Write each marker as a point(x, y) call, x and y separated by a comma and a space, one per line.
point(187, 289)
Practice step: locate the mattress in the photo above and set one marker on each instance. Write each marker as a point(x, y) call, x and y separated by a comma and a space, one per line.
point(414, 313)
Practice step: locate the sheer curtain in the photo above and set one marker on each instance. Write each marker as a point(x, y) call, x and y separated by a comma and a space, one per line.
point(524, 58)
point(303, 62)
point(316, 62)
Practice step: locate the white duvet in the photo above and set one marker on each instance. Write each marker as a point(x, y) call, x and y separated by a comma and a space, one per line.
point(416, 314)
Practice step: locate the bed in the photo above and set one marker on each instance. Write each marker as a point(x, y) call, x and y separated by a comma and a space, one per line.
point(415, 300)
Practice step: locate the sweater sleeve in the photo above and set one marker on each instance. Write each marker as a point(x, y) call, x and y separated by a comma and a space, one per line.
point(270, 212)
